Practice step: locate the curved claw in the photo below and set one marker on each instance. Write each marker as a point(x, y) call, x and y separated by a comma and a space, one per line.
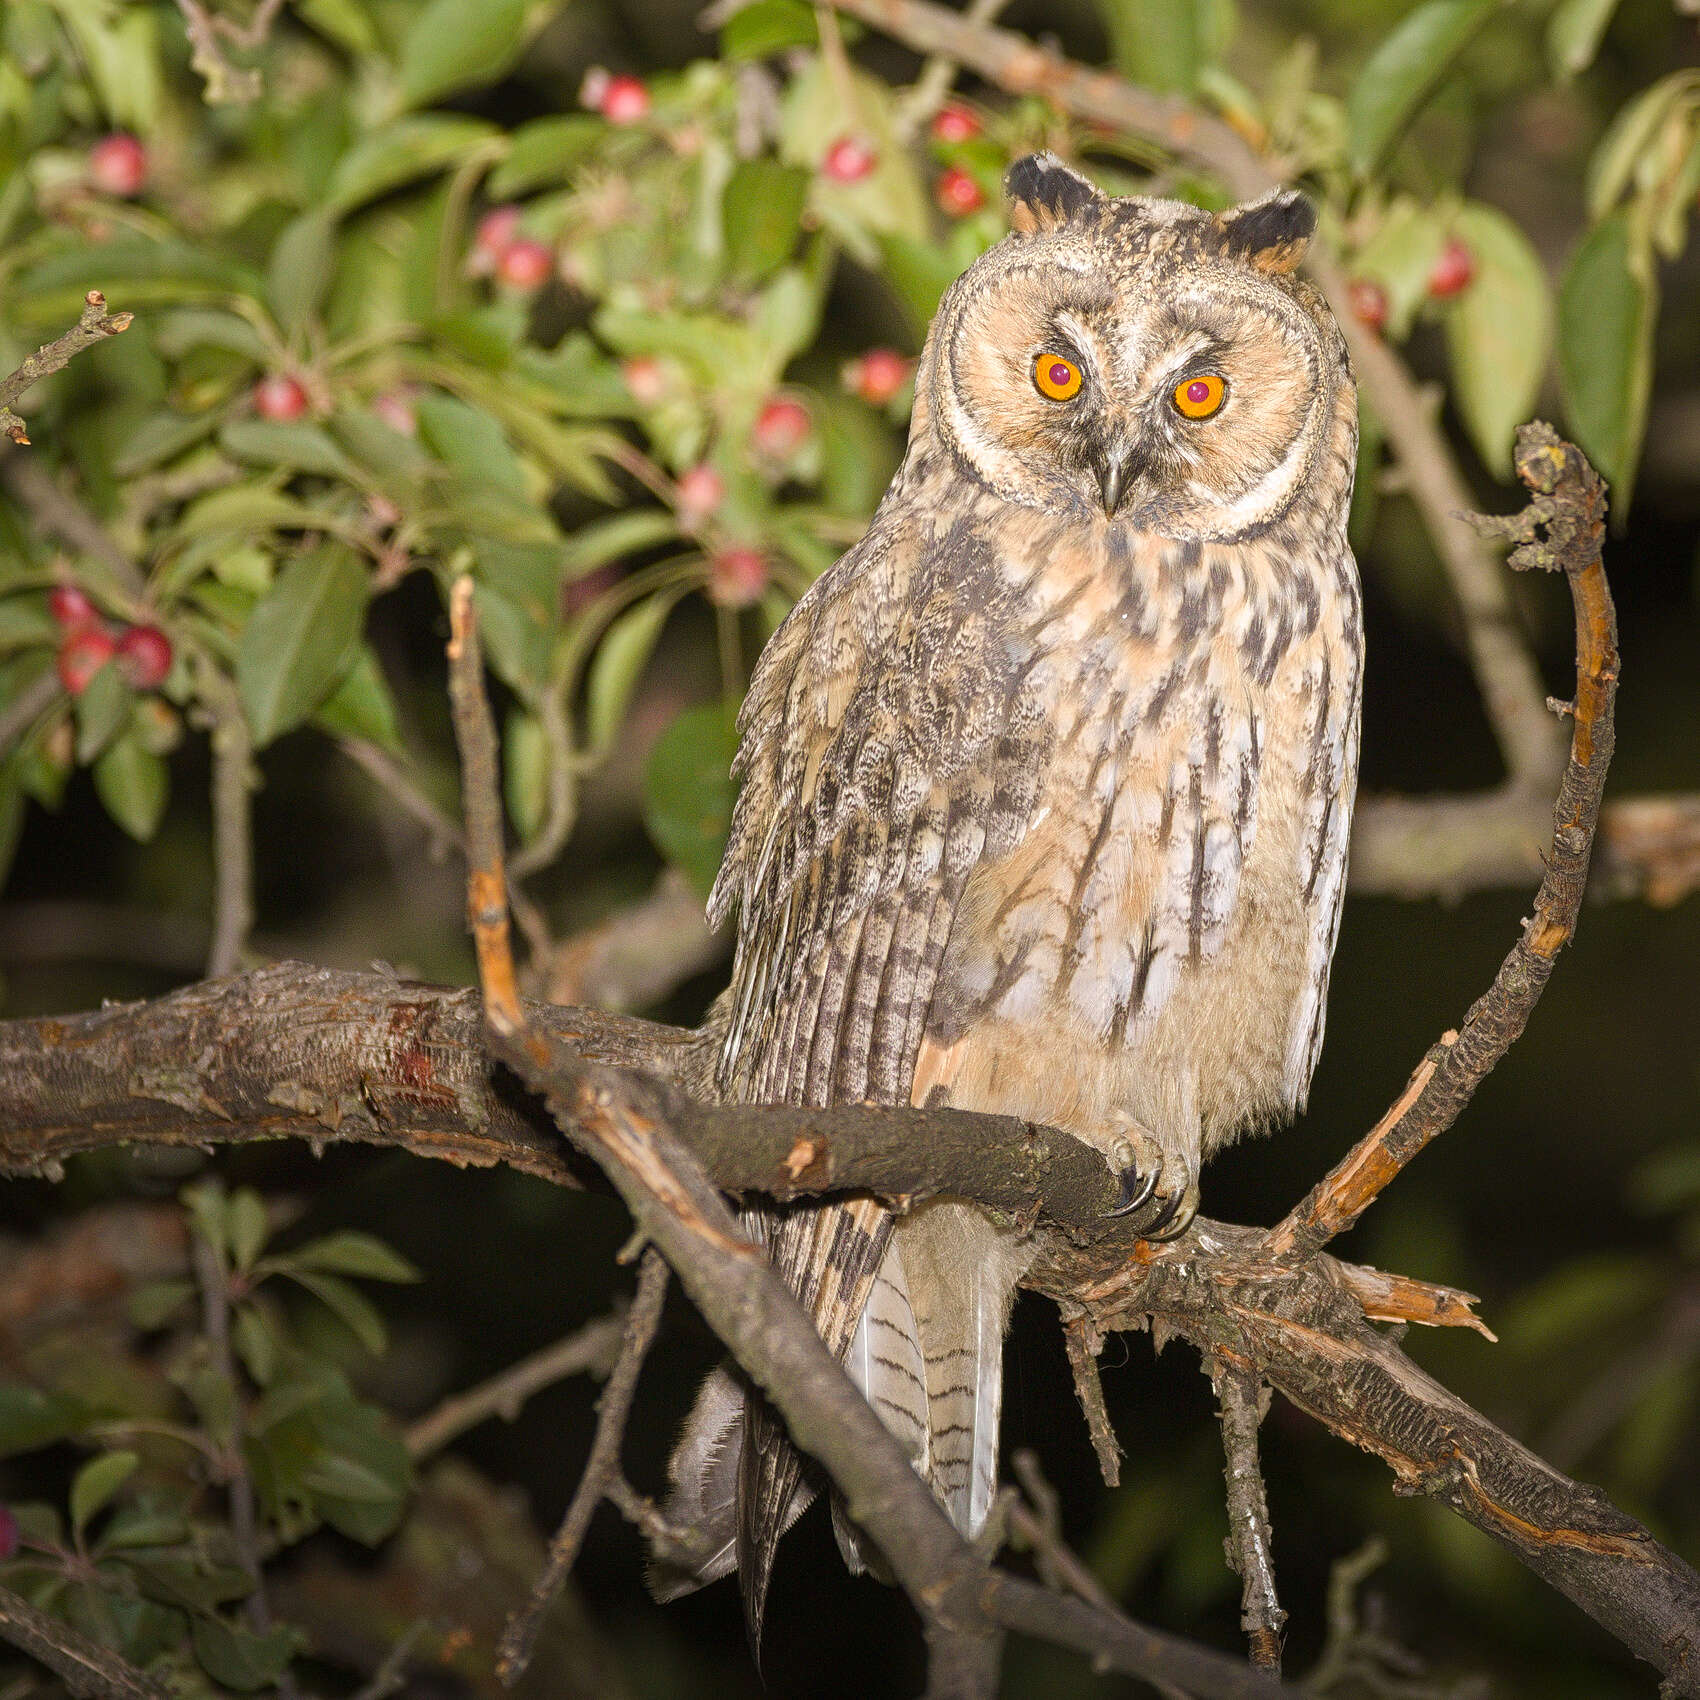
point(1171, 1208)
point(1136, 1191)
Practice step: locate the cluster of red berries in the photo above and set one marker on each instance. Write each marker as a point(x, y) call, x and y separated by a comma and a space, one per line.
point(143, 653)
point(498, 250)
point(1451, 274)
point(851, 158)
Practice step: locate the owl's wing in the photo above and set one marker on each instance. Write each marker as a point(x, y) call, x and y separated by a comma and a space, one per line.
point(890, 743)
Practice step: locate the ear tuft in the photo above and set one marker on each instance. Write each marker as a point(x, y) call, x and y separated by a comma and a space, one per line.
point(1044, 193)
point(1271, 234)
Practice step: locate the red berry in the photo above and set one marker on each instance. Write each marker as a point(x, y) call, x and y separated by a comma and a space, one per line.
point(71, 607)
point(526, 264)
point(955, 124)
point(736, 577)
point(958, 194)
point(144, 657)
point(849, 160)
point(82, 655)
point(493, 237)
point(701, 491)
point(782, 427)
point(1453, 270)
point(118, 165)
point(624, 100)
point(8, 1533)
point(280, 397)
point(877, 376)
point(1368, 301)
point(644, 378)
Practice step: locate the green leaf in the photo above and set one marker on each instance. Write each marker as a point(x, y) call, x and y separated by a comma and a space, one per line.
point(256, 1341)
point(208, 1216)
point(293, 444)
point(120, 52)
point(525, 772)
point(1498, 332)
point(1400, 256)
point(1404, 71)
point(400, 152)
point(761, 214)
point(349, 1252)
point(96, 1482)
point(1607, 306)
point(299, 270)
point(248, 1227)
point(362, 706)
point(344, 21)
point(544, 152)
point(243, 1659)
point(470, 441)
point(452, 46)
point(1573, 35)
point(133, 784)
point(348, 1303)
point(174, 334)
point(1156, 42)
point(154, 1304)
point(148, 1522)
point(768, 27)
point(299, 638)
point(688, 790)
point(31, 1418)
point(612, 539)
point(619, 663)
point(161, 436)
point(101, 710)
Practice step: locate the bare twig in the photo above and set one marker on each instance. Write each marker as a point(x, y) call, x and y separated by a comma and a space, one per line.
point(397, 784)
point(86, 1667)
point(213, 1279)
point(1084, 1343)
point(486, 882)
point(61, 516)
point(1038, 1524)
point(233, 823)
point(1504, 669)
point(588, 1350)
point(26, 708)
point(94, 325)
point(1569, 508)
point(613, 1410)
point(1250, 1540)
point(226, 85)
point(637, 955)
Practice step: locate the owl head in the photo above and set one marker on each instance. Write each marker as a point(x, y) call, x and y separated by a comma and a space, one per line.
point(1140, 362)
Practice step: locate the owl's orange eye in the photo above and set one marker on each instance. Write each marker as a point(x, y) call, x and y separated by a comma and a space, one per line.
point(1056, 377)
point(1198, 398)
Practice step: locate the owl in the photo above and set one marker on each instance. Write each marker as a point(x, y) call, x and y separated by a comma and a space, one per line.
point(1046, 788)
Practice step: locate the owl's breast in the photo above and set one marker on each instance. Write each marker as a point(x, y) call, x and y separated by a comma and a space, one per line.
point(1158, 918)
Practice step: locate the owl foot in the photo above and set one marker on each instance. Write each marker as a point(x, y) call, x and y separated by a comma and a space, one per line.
point(1139, 1163)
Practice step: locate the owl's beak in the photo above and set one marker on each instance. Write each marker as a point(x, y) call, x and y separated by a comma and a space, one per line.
point(1116, 471)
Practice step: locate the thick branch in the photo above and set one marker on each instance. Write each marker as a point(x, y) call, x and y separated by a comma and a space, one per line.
point(85, 1667)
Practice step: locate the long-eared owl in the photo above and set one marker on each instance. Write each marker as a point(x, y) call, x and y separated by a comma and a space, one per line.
point(1046, 787)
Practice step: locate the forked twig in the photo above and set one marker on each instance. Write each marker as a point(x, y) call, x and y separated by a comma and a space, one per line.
point(1561, 530)
point(602, 1467)
point(94, 325)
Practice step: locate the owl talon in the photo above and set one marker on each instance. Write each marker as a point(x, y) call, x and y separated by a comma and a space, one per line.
point(1137, 1186)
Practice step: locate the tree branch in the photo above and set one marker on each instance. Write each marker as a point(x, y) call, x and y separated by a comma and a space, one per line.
point(86, 1667)
point(1250, 1539)
point(94, 325)
point(1562, 529)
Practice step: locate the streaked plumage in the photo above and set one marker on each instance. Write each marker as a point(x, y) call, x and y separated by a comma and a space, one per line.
point(1044, 805)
